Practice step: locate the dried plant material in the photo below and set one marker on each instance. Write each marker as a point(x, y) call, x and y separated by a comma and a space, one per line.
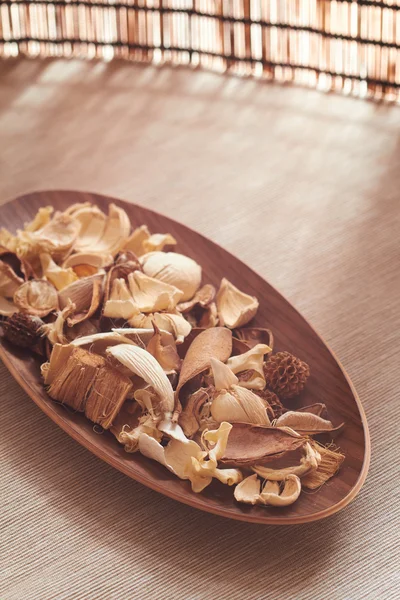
point(190, 417)
point(86, 294)
point(7, 307)
point(126, 419)
point(141, 337)
point(175, 269)
point(209, 317)
point(235, 308)
point(248, 490)
point(202, 298)
point(9, 280)
point(158, 241)
point(309, 462)
point(275, 406)
point(291, 491)
point(239, 346)
point(120, 304)
point(252, 360)
point(151, 295)
point(60, 277)
point(251, 445)
point(85, 264)
point(99, 342)
point(101, 234)
point(86, 382)
point(233, 403)
point(125, 264)
point(55, 331)
point(285, 374)
point(306, 423)
point(318, 409)
point(143, 364)
point(146, 427)
point(189, 461)
point(173, 323)
point(23, 330)
point(41, 219)
point(210, 343)
point(255, 335)
point(329, 465)
point(36, 297)
point(135, 242)
point(56, 238)
point(165, 353)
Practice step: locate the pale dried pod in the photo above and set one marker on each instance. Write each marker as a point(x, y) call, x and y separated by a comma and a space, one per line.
point(87, 263)
point(120, 304)
point(175, 269)
point(235, 308)
point(9, 280)
point(248, 490)
point(101, 234)
point(171, 322)
point(290, 493)
point(252, 360)
point(152, 295)
point(309, 462)
point(36, 297)
point(86, 294)
point(56, 238)
point(307, 423)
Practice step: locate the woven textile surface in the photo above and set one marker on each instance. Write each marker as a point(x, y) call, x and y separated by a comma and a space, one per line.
point(347, 45)
point(301, 186)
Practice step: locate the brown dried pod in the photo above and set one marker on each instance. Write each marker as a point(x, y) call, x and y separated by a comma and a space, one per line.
point(285, 374)
point(210, 343)
point(255, 335)
point(251, 445)
point(239, 346)
point(189, 419)
point(9, 280)
point(37, 298)
point(23, 330)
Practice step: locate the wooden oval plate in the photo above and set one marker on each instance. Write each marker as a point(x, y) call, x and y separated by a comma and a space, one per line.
point(328, 382)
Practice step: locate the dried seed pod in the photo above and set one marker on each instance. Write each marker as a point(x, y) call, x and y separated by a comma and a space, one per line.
point(255, 335)
point(152, 295)
point(306, 423)
point(251, 445)
point(235, 308)
point(253, 361)
point(291, 491)
point(273, 402)
point(175, 269)
point(9, 280)
point(285, 374)
point(36, 297)
point(60, 277)
point(23, 330)
point(309, 462)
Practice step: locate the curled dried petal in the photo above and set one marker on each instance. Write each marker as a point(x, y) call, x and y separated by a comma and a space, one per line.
point(9, 280)
point(151, 295)
point(60, 277)
point(252, 360)
point(37, 298)
point(290, 493)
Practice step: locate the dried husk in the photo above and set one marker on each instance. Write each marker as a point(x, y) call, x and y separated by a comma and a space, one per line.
point(126, 419)
point(36, 297)
point(306, 423)
point(190, 417)
point(291, 491)
point(143, 364)
point(60, 277)
point(101, 234)
point(85, 264)
point(171, 322)
point(9, 280)
point(141, 337)
point(41, 219)
point(318, 409)
point(251, 445)
point(239, 346)
point(120, 304)
point(235, 308)
point(210, 343)
point(86, 294)
point(175, 269)
point(202, 298)
point(255, 335)
point(252, 360)
point(146, 427)
point(248, 490)
point(99, 342)
point(329, 465)
point(165, 353)
point(135, 242)
point(151, 295)
point(55, 331)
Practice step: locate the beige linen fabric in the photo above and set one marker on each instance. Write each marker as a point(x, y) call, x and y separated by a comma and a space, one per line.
point(303, 187)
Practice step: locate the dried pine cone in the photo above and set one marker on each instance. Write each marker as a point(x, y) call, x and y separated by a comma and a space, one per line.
point(276, 406)
point(23, 330)
point(285, 374)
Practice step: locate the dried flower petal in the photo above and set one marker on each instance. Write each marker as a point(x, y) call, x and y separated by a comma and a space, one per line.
point(190, 417)
point(120, 304)
point(255, 335)
point(290, 493)
point(165, 353)
point(251, 360)
point(248, 490)
point(309, 462)
point(151, 295)
point(60, 277)
point(9, 280)
point(203, 298)
point(235, 308)
point(37, 298)
point(175, 324)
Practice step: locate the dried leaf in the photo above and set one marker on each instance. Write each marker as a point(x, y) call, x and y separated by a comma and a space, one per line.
point(251, 445)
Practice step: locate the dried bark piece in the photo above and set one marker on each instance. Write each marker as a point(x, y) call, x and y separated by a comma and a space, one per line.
point(255, 335)
point(107, 394)
point(210, 343)
point(36, 297)
point(235, 308)
point(285, 374)
point(251, 445)
point(306, 423)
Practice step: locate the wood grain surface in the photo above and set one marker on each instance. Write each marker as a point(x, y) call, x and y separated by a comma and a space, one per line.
point(327, 382)
point(304, 187)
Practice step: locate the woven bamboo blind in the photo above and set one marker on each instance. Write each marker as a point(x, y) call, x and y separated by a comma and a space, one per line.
point(346, 45)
